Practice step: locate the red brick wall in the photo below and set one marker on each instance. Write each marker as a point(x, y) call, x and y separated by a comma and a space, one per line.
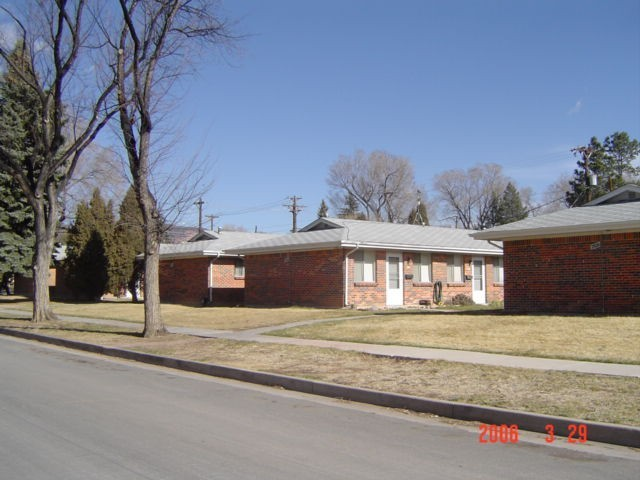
point(296, 278)
point(185, 281)
point(374, 294)
point(316, 279)
point(574, 274)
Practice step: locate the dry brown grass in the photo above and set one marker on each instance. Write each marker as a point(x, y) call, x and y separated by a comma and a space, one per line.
point(215, 318)
point(590, 397)
point(604, 339)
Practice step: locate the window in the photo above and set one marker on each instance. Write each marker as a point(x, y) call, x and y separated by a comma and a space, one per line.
point(454, 269)
point(238, 270)
point(422, 267)
point(364, 266)
point(498, 270)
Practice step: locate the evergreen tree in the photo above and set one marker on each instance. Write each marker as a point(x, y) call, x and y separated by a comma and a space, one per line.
point(418, 214)
point(129, 239)
point(508, 208)
point(620, 153)
point(90, 247)
point(611, 163)
point(19, 114)
point(351, 209)
point(323, 211)
point(16, 229)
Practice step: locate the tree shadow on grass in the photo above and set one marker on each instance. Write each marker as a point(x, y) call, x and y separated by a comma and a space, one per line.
point(26, 325)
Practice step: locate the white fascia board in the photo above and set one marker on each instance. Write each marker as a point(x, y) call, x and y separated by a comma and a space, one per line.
point(288, 248)
point(426, 248)
point(564, 231)
point(307, 247)
point(194, 254)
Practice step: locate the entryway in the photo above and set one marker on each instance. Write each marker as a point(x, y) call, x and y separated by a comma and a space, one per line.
point(478, 280)
point(394, 279)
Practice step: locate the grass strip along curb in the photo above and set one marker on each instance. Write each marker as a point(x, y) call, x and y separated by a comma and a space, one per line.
point(598, 432)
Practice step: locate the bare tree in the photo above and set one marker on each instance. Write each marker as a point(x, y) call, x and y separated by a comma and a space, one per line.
point(153, 39)
point(383, 184)
point(554, 197)
point(100, 168)
point(467, 197)
point(51, 61)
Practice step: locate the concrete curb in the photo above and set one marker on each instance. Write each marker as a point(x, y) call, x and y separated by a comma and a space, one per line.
point(598, 432)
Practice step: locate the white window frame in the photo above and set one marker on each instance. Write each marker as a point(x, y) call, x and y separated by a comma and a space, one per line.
point(238, 268)
point(454, 269)
point(364, 266)
point(422, 268)
point(498, 270)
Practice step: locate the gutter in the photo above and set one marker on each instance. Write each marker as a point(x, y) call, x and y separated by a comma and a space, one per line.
point(346, 274)
point(210, 275)
point(558, 231)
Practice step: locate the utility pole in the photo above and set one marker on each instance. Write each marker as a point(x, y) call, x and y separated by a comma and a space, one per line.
point(589, 179)
point(199, 203)
point(211, 219)
point(294, 208)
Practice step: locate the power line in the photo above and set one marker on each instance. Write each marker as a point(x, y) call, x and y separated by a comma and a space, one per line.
point(257, 208)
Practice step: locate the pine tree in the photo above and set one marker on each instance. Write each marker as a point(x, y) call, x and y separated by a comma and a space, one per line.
point(351, 209)
point(508, 208)
point(419, 215)
point(19, 114)
point(323, 211)
point(16, 229)
point(90, 247)
point(611, 163)
point(129, 239)
point(620, 153)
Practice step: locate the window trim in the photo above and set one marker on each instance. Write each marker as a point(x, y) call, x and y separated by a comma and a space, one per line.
point(361, 260)
point(239, 268)
point(455, 268)
point(423, 261)
point(498, 270)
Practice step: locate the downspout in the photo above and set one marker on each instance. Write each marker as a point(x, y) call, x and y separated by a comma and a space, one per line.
point(210, 280)
point(346, 274)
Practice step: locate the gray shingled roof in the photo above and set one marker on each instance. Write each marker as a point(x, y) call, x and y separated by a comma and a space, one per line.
point(622, 217)
point(207, 248)
point(339, 233)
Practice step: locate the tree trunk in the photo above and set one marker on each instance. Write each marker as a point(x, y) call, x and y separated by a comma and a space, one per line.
point(153, 324)
point(45, 235)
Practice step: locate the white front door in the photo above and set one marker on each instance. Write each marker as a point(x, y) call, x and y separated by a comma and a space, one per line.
point(394, 279)
point(478, 280)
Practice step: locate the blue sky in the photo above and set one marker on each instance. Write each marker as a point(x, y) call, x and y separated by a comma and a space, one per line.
point(448, 84)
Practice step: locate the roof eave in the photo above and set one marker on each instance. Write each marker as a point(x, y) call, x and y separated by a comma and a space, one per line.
point(353, 244)
point(564, 231)
point(429, 248)
point(287, 248)
point(196, 254)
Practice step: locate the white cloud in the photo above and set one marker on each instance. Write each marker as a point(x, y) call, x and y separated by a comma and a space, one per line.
point(576, 108)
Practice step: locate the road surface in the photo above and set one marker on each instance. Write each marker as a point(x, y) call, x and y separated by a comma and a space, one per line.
point(67, 415)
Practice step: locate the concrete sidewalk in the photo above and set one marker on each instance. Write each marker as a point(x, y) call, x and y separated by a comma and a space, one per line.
point(397, 351)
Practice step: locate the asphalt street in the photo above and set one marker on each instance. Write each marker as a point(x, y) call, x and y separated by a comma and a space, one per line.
point(67, 415)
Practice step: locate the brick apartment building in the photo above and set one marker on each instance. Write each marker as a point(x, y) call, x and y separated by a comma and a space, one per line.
point(336, 262)
point(579, 260)
point(201, 272)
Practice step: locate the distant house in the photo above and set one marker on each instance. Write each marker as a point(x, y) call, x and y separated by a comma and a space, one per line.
point(579, 260)
point(201, 272)
point(335, 263)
